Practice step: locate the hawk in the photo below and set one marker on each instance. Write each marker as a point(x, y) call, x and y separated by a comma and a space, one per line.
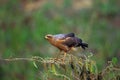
point(65, 42)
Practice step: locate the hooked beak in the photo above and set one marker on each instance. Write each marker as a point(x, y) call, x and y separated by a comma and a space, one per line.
point(48, 36)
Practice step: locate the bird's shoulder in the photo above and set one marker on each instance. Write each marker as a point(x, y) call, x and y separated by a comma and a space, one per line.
point(59, 36)
point(63, 36)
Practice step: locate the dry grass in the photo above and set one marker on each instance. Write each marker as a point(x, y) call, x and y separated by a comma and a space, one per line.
point(73, 68)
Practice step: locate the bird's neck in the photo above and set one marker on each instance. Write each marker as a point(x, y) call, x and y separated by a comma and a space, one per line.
point(52, 41)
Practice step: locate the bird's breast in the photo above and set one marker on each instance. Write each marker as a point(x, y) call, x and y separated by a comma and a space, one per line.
point(59, 45)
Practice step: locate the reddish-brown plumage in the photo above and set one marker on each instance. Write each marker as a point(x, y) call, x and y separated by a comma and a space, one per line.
point(64, 42)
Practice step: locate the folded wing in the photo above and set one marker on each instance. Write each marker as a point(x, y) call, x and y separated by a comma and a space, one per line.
point(70, 42)
point(70, 35)
point(63, 36)
point(74, 42)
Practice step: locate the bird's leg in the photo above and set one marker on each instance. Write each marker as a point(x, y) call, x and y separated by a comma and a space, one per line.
point(57, 55)
point(64, 56)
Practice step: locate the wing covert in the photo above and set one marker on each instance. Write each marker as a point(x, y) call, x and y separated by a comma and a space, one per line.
point(70, 35)
point(69, 41)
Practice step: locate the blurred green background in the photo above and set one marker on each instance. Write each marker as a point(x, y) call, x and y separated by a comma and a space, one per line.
point(24, 23)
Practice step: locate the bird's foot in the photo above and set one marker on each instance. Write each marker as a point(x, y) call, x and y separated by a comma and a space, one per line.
point(62, 60)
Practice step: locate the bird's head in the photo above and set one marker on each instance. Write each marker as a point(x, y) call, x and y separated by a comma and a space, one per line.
point(49, 36)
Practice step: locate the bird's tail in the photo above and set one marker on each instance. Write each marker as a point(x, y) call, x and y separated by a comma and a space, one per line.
point(84, 45)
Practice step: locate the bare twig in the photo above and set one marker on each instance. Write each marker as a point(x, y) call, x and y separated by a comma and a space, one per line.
point(36, 58)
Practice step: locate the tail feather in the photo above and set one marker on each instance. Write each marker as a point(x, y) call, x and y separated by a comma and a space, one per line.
point(84, 45)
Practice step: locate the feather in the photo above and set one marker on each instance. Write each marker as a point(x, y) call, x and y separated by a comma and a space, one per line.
point(65, 41)
point(63, 36)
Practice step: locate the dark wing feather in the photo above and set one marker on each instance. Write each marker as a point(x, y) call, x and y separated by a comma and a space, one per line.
point(72, 42)
point(69, 41)
point(70, 35)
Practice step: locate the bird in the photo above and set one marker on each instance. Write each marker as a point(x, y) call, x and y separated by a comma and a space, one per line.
point(65, 42)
